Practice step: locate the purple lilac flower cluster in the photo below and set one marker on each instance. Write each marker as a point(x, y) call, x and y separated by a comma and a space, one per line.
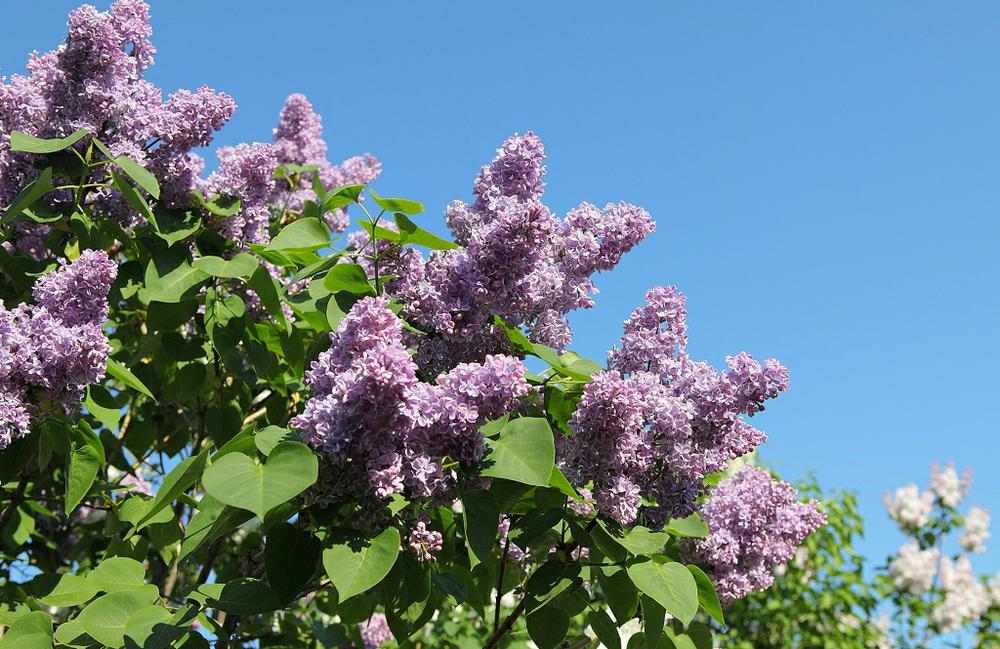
point(383, 429)
point(657, 422)
point(245, 171)
point(298, 139)
point(56, 347)
point(425, 542)
point(94, 81)
point(375, 631)
point(756, 524)
point(516, 259)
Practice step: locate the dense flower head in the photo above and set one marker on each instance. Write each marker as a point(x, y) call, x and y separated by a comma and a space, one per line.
point(755, 524)
point(245, 171)
point(79, 292)
point(425, 542)
point(946, 484)
point(298, 140)
point(516, 259)
point(909, 507)
point(913, 569)
point(383, 429)
point(375, 631)
point(977, 530)
point(965, 597)
point(93, 81)
point(656, 423)
point(55, 348)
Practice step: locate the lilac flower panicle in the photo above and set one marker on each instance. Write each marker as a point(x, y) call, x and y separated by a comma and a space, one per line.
point(755, 524)
point(78, 293)
point(383, 429)
point(657, 422)
point(298, 139)
point(94, 81)
point(375, 631)
point(424, 542)
point(516, 260)
point(54, 349)
point(245, 171)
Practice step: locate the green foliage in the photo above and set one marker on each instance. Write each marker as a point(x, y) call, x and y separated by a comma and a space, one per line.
point(178, 493)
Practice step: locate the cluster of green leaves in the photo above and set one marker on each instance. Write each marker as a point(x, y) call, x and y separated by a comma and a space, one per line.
point(205, 373)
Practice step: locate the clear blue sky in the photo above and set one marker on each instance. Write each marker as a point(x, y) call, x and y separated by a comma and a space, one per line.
point(824, 178)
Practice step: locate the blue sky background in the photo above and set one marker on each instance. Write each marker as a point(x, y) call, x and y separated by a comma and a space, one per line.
point(824, 179)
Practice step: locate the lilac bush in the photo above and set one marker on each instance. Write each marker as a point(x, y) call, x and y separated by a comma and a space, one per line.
point(222, 420)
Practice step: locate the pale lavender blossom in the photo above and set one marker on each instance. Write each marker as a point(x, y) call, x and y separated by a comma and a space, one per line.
point(425, 542)
point(78, 293)
point(977, 530)
point(245, 171)
point(913, 569)
point(375, 631)
point(516, 260)
point(383, 429)
point(755, 524)
point(947, 485)
point(910, 508)
point(965, 597)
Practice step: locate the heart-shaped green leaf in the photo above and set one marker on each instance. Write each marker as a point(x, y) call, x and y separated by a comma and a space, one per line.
point(237, 480)
point(670, 584)
point(524, 452)
point(355, 567)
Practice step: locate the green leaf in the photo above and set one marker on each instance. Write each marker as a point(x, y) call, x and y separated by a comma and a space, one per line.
point(263, 285)
point(117, 573)
point(547, 627)
point(604, 629)
point(515, 335)
point(133, 197)
point(237, 480)
point(341, 196)
point(707, 596)
point(652, 621)
point(559, 481)
point(480, 510)
point(30, 144)
point(125, 375)
point(244, 596)
point(524, 452)
point(355, 567)
point(84, 462)
point(290, 558)
point(348, 277)
point(174, 225)
point(619, 592)
point(170, 277)
point(142, 625)
point(30, 631)
point(212, 520)
point(403, 205)
point(29, 194)
point(66, 590)
point(242, 265)
point(181, 477)
point(670, 584)
point(101, 405)
point(640, 540)
point(139, 174)
point(411, 233)
point(302, 235)
point(224, 206)
point(105, 618)
point(266, 439)
point(690, 527)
